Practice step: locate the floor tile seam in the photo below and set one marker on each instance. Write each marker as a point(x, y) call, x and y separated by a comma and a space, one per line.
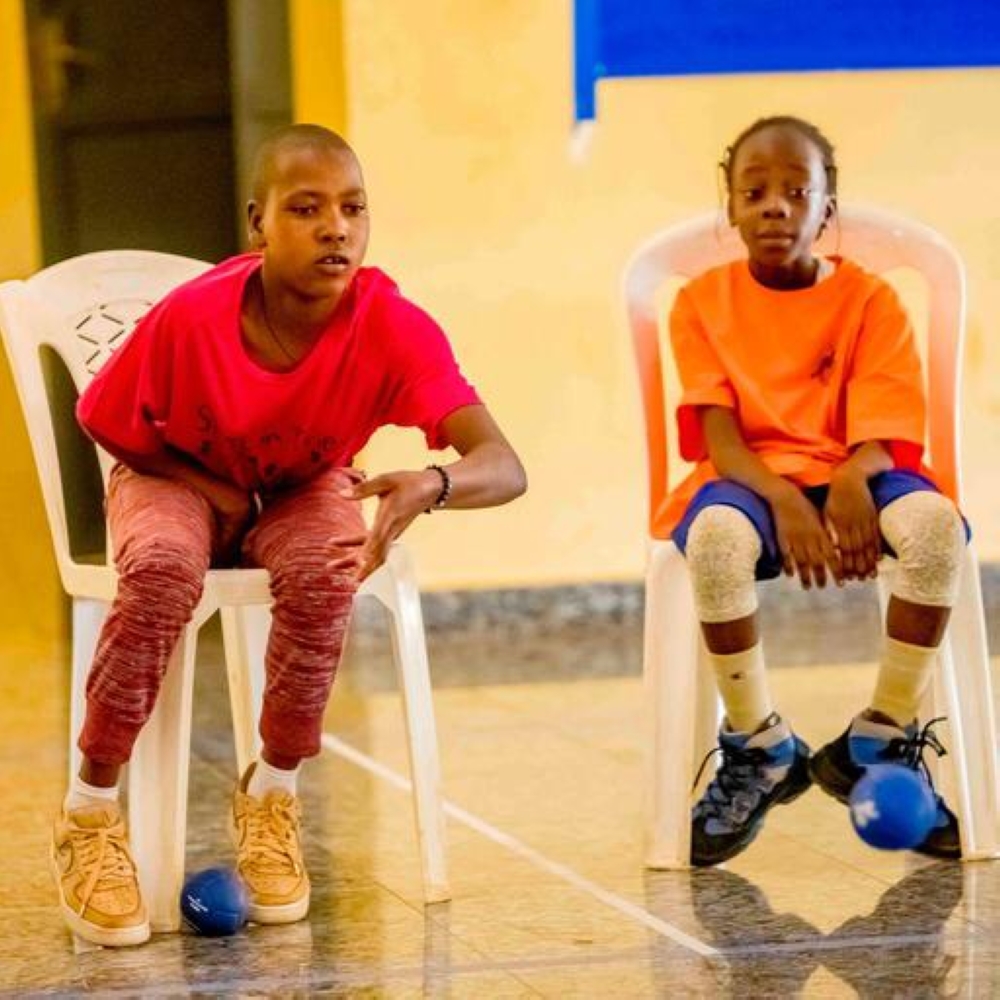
point(625, 907)
point(374, 975)
point(426, 911)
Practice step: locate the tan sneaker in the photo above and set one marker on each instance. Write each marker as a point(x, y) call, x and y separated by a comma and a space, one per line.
point(269, 854)
point(98, 884)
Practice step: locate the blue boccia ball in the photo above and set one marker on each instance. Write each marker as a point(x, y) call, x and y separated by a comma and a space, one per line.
point(214, 902)
point(892, 807)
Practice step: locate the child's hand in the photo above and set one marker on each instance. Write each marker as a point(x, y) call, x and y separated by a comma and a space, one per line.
point(852, 520)
point(402, 496)
point(806, 546)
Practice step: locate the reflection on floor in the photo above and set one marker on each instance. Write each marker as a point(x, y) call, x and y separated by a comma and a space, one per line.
point(550, 895)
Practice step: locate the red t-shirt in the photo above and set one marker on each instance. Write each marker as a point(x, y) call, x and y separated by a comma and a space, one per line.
point(184, 379)
point(810, 374)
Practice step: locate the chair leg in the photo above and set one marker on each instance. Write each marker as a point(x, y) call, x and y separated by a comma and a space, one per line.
point(158, 785)
point(681, 702)
point(244, 632)
point(88, 619)
point(965, 693)
point(395, 586)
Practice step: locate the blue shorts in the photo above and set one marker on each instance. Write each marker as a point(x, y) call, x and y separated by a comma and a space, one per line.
point(885, 487)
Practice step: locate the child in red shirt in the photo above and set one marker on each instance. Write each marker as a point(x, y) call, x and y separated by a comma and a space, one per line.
point(803, 408)
point(235, 410)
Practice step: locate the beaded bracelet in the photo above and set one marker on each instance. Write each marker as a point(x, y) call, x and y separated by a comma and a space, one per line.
point(442, 497)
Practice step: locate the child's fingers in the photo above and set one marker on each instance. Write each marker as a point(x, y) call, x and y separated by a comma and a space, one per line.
point(374, 556)
point(863, 552)
point(849, 552)
point(353, 556)
point(803, 564)
point(369, 488)
point(832, 559)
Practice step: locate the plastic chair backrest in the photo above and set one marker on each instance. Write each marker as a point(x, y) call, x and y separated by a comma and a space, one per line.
point(877, 240)
point(82, 309)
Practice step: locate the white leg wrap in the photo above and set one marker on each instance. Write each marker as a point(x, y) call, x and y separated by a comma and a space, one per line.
point(927, 534)
point(742, 682)
point(722, 550)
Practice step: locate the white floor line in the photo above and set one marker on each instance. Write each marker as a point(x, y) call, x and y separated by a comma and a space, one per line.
point(515, 846)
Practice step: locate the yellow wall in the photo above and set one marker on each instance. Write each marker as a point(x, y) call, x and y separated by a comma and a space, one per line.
point(30, 596)
point(316, 39)
point(461, 114)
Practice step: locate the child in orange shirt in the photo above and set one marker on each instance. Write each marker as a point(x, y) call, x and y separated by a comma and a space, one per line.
point(803, 408)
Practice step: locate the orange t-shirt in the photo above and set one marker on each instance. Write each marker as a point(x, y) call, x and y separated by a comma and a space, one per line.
point(810, 373)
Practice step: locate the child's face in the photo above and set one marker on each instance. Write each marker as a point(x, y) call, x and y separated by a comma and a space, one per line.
point(779, 199)
point(313, 224)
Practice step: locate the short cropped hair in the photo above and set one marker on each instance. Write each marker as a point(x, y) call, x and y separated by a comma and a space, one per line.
point(291, 137)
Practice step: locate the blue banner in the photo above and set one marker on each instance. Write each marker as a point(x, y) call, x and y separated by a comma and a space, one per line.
point(623, 38)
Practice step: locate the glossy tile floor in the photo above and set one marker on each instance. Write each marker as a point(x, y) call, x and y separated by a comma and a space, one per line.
point(542, 757)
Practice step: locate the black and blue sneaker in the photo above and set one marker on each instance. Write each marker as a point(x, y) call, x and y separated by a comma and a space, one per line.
point(838, 766)
point(758, 770)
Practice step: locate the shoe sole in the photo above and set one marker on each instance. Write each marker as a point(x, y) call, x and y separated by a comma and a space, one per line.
point(287, 913)
point(941, 853)
point(122, 937)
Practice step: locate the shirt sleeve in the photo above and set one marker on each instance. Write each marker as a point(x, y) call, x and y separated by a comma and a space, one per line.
point(428, 385)
point(885, 388)
point(125, 406)
point(703, 378)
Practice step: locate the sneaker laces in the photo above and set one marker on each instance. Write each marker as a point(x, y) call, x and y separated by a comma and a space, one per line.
point(910, 750)
point(271, 840)
point(103, 852)
point(737, 784)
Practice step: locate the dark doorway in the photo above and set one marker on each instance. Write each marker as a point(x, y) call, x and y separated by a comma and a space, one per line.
point(134, 117)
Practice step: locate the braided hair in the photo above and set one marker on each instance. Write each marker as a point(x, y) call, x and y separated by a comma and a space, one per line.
point(800, 125)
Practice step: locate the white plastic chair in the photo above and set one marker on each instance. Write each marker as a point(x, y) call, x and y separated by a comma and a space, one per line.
point(680, 692)
point(83, 309)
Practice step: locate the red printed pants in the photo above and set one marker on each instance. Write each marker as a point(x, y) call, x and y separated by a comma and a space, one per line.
point(163, 532)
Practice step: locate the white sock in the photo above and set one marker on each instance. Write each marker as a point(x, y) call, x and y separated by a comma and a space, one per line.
point(265, 777)
point(81, 795)
point(903, 676)
point(742, 681)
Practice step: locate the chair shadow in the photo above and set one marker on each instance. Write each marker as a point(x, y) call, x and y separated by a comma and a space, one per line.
point(767, 952)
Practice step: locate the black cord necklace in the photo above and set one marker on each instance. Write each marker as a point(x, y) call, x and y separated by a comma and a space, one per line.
point(270, 329)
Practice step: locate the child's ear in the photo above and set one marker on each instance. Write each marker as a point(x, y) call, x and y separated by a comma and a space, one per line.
point(255, 229)
point(730, 218)
point(829, 212)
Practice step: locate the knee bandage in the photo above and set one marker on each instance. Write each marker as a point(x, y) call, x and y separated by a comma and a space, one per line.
point(927, 534)
point(722, 552)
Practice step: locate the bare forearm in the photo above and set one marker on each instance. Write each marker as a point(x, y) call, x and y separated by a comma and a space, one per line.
point(488, 475)
point(734, 460)
point(867, 460)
